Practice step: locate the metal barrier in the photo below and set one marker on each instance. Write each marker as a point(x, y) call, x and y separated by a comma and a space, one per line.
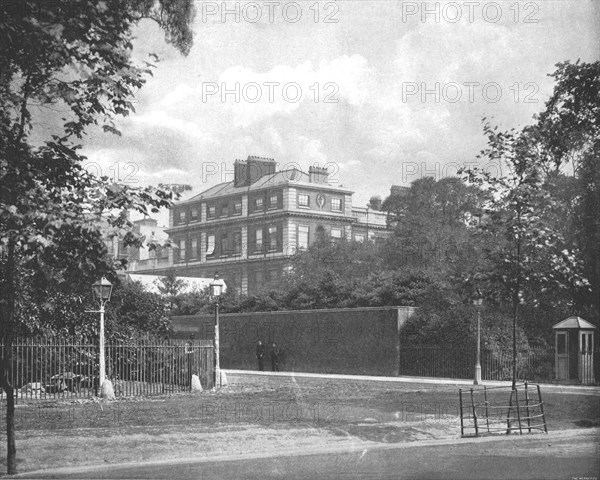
point(65, 368)
point(485, 410)
point(534, 364)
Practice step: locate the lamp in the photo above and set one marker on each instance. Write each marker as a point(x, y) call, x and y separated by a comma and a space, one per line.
point(217, 288)
point(102, 291)
point(477, 301)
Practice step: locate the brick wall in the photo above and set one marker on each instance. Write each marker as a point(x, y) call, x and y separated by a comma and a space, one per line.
point(360, 341)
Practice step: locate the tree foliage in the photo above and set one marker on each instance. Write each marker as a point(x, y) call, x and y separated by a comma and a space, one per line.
point(433, 227)
point(74, 58)
point(570, 134)
point(528, 254)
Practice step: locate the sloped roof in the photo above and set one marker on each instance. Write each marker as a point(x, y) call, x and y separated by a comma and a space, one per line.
point(573, 322)
point(291, 176)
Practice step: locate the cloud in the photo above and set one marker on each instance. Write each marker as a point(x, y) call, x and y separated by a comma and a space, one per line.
point(247, 96)
point(372, 128)
point(162, 120)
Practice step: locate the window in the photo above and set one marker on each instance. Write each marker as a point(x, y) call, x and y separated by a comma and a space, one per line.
point(303, 236)
point(258, 237)
point(224, 244)
point(561, 343)
point(194, 249)
point(237, 283)
point(194, 213)
point(273, 238)
point(303, 200)
point(210, 244)
point(182, 250)
point(237, 243)
point(237, 207)
point(271, 276)
point(320, 234)
point(258, 203)
point(273, 201)
point(336, 232)
point(211, 211)
point(336, 204)
point(224, 210)
point(182, 216)
point(359, 238)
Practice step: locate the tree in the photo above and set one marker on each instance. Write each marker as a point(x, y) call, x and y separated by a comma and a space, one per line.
point(526, 255)
point(570, 133)
point(175, 187)
point(170, 286)
point(375, 203)
point(347, 259)
point(433, 227)
point(74, 58)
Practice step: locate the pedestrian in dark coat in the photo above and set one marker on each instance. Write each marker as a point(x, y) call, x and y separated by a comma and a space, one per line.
point(260, 355)
point(275, 358)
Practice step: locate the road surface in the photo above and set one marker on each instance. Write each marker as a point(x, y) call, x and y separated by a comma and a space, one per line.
point(573, 457)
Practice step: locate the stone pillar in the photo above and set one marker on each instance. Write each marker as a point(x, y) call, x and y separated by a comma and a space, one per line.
point(348, 205)
point(244, 205)
point(245, 280)
point(244, 241)
point(203, 246)
point(290, 242)
point(289, 199)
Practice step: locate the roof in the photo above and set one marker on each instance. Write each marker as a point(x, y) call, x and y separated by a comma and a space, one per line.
point(150, 282)
point(291, 176)
point(573, 322)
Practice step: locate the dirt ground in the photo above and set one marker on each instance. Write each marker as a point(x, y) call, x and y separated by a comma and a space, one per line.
point(253, 414)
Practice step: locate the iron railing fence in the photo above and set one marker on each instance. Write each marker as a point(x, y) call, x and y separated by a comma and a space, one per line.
point(46, 368)
point(534, 364)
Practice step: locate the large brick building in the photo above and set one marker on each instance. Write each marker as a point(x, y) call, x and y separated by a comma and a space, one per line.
point(249, 227)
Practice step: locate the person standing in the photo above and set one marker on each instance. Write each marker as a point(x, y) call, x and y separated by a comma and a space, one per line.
point(274, 357)
point(260, 355)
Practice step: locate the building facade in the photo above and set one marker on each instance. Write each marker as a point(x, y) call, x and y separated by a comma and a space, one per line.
point(142, 259)
point(248, 228)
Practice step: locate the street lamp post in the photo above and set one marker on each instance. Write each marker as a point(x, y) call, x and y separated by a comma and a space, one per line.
point(102, 291)
point(477, 301)
point(217, 288)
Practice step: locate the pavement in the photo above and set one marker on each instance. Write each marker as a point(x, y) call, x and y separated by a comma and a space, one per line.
point(557, 388)
point(567, 454)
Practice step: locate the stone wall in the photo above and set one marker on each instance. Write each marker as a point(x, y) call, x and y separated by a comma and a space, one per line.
point(360, 341)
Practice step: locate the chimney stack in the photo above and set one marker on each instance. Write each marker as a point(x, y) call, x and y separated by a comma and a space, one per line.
point(247, 172)
point(317, 174)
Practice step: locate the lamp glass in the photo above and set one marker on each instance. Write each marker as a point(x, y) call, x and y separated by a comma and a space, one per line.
point(102, 290)
point(217, 287)
point(478, 298)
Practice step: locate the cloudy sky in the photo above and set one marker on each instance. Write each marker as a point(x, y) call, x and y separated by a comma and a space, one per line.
point(381, 92)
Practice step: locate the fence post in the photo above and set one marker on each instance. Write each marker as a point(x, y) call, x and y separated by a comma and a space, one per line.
point(474, 414)
point(487, 414)
point(518, 410)
point(508, 422)
point(460, 402)
point(527, 408)
point(542, 408)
